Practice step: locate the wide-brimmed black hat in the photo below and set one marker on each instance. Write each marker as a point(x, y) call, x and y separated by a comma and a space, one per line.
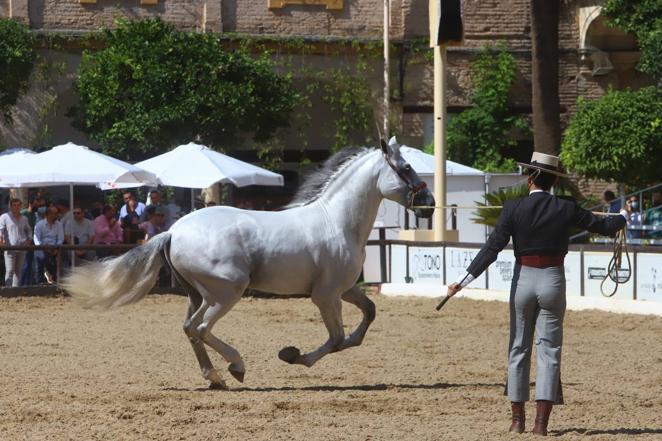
point(545, 163)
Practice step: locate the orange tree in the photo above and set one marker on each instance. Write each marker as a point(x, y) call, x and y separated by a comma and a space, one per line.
point(153, 87)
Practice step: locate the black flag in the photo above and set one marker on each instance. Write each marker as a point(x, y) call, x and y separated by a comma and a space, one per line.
point(445, 21)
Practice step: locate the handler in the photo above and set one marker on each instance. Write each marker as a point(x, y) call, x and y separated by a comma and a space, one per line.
point(540, 226)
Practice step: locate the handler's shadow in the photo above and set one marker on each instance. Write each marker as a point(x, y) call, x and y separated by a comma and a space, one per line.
point(589, 432)
point(359, 387)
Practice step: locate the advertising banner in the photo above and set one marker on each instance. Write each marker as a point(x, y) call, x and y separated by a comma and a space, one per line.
point(649, 276)
point(426, 264)
point(457, 261)
point(573, 273)
point(595, 270)
point(500, 273)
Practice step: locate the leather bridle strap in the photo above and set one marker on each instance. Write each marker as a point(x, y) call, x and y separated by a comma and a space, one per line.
point(414, 189)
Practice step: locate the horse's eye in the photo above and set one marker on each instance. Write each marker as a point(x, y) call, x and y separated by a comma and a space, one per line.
point(408, 167)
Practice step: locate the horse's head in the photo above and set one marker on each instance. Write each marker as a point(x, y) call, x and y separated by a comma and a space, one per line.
point(400, 183)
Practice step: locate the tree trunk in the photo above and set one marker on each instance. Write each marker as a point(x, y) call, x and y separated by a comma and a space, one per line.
point(545, 75)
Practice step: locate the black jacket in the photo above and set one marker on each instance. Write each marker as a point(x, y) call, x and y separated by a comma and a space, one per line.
point(540, 224)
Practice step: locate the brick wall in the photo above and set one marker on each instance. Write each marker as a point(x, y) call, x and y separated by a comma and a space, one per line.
point(71, 15)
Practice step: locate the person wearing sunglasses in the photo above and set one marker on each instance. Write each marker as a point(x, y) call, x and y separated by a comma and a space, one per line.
point(80, 231)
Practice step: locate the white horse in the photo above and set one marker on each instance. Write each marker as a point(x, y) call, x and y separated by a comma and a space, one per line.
point(315, 246)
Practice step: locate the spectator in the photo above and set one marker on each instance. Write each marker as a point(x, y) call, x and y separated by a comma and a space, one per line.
point(614, 204)
point(64, 215)
point(156, 222)
point(155, 201)
point(80, 231)
point(95, 211)
point(30, 213)
point(107, 229)
point(139, 208)
point(14, 231)
point(653, 215)
point(634, 217)
point(48, 231)
point(131, 222)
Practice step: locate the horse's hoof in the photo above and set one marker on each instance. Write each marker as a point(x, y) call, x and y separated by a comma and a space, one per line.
point(289, 354)
point(218, 386)
point(237, 374)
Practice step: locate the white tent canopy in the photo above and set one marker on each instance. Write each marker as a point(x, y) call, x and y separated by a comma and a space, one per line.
point(197, 166)
point(423, 163)
point(69, 164)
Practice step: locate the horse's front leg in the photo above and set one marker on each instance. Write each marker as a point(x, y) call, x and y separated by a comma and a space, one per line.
point(331, 311)
point(357, 297)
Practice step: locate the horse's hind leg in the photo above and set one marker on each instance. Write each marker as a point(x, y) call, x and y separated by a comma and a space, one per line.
point(194, 316)
point(331, 311)
point(357, 297)
point(224, 303)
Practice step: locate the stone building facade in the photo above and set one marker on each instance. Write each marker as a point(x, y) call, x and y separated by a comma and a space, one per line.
point(593, 56)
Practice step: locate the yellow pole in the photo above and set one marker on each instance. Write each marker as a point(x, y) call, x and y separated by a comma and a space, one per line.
point(439, 220)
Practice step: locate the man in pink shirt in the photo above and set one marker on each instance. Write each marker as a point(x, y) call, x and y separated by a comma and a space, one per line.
point(107, 229)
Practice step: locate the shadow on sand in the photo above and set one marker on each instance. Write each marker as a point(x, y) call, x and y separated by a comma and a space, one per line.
point(589, 432)
point(335, 388)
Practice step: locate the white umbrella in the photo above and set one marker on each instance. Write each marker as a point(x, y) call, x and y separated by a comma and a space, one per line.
point(70, 164)
point(197, 166)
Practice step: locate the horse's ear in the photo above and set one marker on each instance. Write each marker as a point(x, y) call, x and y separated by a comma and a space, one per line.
point(384, 146)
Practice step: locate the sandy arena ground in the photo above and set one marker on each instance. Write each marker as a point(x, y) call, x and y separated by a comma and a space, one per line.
point(130, 374)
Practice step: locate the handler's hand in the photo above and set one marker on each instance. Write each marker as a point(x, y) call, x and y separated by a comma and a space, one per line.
point(453, 289)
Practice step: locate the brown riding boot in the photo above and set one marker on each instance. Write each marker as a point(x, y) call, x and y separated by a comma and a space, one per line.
point(543, 409)
point(518, 420)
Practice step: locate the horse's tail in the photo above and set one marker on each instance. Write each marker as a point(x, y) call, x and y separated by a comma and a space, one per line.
point(120, 280)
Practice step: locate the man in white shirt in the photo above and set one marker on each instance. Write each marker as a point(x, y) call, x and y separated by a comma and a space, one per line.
point(14, 231)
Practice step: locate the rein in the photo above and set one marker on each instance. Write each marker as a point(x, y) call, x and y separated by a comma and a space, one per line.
point(413, 189)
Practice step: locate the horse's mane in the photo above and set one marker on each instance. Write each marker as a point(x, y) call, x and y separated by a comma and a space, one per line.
point(316, 183)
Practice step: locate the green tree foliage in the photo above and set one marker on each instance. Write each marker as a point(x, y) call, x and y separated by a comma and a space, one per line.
point(490, 216)
point(154, 87)
point(643, 18)
point(477, 135)
point(617, 137)
point(17, 58)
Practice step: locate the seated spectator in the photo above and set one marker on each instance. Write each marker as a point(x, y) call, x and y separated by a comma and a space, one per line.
point(155, 201)
point(614, 205)
point(634, 217)
point(80, 231)
point(14, 231)
point(95, 211)
point(156, 222)
point(131, 222)
point(138, 208)
point(48, 231)
point(64, 214)
point(30, 213)
point(653, 216)
point(107, 230)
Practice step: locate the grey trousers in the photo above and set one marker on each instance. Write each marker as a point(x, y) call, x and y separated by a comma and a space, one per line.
point(537, 302)
point(13, 267)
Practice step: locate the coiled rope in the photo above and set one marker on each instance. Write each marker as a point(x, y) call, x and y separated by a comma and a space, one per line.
point(615, 272)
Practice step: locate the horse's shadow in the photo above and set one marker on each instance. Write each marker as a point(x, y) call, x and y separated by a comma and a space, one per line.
point(619, 431)
point(338, 388)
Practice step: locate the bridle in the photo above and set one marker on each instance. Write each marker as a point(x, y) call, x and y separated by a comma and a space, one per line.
point(413, 189)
